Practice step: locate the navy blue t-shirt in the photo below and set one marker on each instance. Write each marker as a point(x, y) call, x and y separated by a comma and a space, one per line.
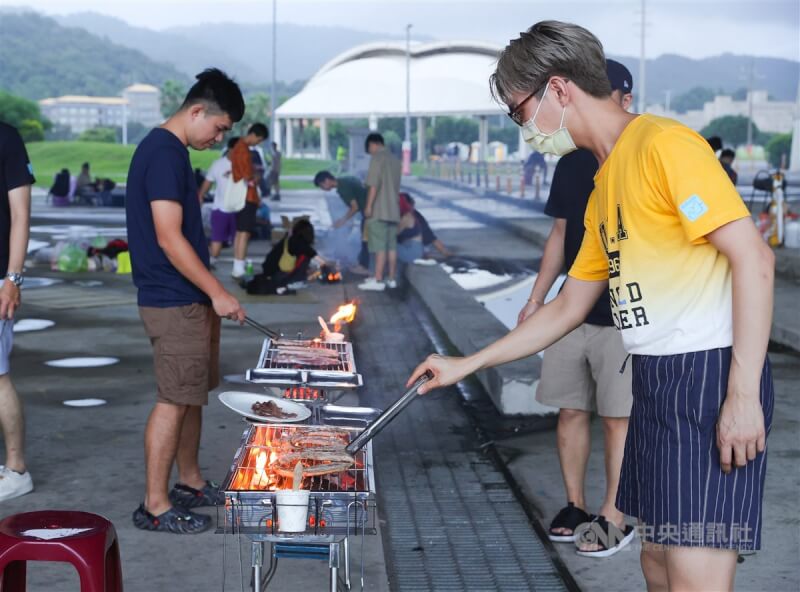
point(573, 183)
point(15, 171)
point(161, 169)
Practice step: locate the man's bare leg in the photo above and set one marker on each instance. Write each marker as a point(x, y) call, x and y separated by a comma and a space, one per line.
point(240, 243)
point(615, 430)
point(189, 448)
point(392, 265)
point(161, 437)
point(654, 567)
point(215, 249)
point(380, 263)
point(573, 454)
point(700, 569)
point(12, 422)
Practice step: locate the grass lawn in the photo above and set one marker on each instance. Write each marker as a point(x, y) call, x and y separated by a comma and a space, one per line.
point(112, 161)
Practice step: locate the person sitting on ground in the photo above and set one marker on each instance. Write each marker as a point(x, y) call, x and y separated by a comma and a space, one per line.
point(60, 189)
point(414, 233)
point(726, 158)
point(288, 261)
point(354, 195)
point(84, 180)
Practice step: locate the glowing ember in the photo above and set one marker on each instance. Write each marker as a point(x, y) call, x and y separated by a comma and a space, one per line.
point(345, 314)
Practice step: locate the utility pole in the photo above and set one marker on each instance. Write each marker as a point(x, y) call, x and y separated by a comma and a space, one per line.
point(407, 140)
point(750, 77)
point(641, 82)
point(272, 121)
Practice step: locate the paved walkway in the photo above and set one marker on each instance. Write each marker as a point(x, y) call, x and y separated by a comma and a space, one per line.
point(452, 521)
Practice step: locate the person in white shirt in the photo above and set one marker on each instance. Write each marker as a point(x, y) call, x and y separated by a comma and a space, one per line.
point(223, 224)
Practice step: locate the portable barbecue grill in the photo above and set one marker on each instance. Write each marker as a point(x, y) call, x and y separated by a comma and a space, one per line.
point(341, 374)
point(341, 504)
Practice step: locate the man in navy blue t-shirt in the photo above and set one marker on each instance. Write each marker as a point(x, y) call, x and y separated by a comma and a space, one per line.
point(180, 301)
point(16, 178)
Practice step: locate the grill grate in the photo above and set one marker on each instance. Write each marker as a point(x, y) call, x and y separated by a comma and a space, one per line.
point(251, 469)
point(345, 359)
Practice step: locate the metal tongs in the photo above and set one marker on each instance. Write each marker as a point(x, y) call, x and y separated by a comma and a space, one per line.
point(274, 335)
point(387, 416)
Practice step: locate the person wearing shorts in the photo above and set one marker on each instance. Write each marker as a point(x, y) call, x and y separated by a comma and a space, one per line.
point(223, 224)
point(690, 281)
point(581, 372)
point(180, 301)
point(16, 179)
point(382, 212)
point(242, 168)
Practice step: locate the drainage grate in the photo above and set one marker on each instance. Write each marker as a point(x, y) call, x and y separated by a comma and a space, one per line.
point(451, 520)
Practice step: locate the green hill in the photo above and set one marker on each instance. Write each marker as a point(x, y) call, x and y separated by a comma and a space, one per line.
point(112, 161)
point(39, 58)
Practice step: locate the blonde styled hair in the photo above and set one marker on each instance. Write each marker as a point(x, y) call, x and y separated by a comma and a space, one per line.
point(551, 48)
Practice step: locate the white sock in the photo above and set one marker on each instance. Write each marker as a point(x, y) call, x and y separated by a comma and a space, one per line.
point(238, 267)
point(212, 260)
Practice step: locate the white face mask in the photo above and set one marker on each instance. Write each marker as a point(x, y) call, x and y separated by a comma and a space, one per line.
point(558, 142)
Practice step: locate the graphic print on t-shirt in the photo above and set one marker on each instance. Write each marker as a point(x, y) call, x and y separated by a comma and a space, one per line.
point(658, 195)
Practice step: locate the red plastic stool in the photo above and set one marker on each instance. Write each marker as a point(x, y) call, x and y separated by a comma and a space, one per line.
point(89, 542)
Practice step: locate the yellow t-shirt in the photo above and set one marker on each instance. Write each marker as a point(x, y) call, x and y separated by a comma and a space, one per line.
point(657, 196)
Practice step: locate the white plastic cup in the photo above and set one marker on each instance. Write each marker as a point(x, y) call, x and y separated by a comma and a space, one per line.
point(292, 509)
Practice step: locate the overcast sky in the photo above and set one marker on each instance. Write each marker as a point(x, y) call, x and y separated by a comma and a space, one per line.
point(695, 28)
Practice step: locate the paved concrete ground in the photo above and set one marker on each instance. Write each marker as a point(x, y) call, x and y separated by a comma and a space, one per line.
point(91, 459)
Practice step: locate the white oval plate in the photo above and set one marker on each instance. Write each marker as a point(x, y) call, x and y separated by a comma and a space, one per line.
point(84, 402)
point(25, 325)
point(242, 403)
point(82, 362)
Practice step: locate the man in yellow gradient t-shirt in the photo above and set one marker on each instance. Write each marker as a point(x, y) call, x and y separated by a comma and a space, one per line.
point(690, 282)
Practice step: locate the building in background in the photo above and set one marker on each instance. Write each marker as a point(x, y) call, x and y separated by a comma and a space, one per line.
point(80, 113)
point(139, 103)
point(144, 104)
point(769, 116)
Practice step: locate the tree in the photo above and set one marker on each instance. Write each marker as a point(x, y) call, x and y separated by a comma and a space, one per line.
point(31, 130)
point(780, 145)
point(172, 95)
point(692, 99)
point(99, 134)
point(15, 110)
point(455, 129)
point(256, 111)
point(731, 128)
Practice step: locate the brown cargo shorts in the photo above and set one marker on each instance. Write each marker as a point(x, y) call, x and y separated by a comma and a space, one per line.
point(185, 343)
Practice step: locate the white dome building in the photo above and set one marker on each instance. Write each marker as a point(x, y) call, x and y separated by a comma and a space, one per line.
point(369, 81)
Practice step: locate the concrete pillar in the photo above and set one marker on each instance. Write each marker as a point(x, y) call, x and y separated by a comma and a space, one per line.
point(483, 138)
point(277, 133)
point(794, 156)
point(289, 138)
point(421, 157)
point(373, 123)
point(323, 139)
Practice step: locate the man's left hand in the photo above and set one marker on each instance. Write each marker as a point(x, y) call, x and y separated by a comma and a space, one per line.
point(9, 299)
point(740, 429)
point(368, 212)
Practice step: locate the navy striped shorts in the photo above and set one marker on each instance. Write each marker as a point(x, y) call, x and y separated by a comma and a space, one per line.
point(671, 478)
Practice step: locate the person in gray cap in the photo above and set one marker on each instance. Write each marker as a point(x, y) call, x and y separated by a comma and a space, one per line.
point(581, 372)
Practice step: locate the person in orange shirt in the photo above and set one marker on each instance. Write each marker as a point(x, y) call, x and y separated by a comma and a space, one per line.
point(242, 168)
point(690, 283)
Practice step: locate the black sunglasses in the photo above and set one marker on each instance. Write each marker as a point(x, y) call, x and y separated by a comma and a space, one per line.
point(516, 113)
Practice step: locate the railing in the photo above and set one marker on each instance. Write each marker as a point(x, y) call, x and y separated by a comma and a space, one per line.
point(501, 177)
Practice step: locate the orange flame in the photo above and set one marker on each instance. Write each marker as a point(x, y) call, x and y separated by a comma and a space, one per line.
point(345, 314)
